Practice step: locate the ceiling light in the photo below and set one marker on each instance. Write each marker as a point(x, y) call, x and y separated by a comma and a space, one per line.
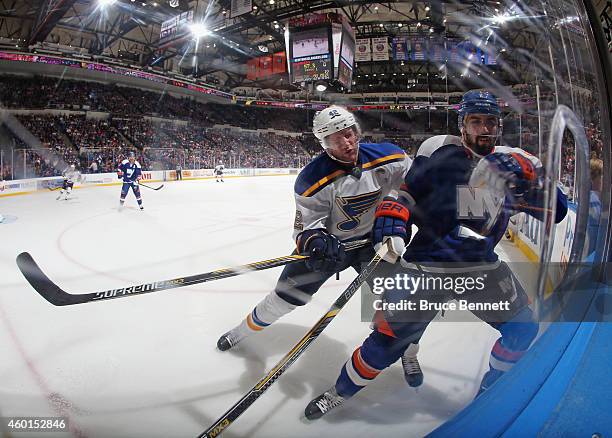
point(105, 3)
point(427, 8)
point(198, 30)
point(321, 87)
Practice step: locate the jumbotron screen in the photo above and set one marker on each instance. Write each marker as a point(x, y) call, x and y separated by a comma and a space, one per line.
point(347, 58)
point(311, 58)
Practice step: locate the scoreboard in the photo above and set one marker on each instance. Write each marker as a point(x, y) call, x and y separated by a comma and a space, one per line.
point(321, 48)
point(311, 55)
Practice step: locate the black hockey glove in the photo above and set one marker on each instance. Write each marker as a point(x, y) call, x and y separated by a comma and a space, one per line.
point(326, 252)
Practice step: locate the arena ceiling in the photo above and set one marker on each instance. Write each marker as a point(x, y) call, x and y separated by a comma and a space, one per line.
point(130, 29)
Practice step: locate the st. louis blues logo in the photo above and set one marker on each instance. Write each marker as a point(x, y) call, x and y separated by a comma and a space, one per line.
point(354, 207)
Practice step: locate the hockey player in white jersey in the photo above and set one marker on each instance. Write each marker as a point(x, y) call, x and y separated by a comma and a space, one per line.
point(219, 168)
point(336, 196)
point(70, 175)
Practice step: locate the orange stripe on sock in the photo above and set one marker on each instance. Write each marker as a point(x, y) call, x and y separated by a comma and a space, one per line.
point(252, 324)
point(364, 370)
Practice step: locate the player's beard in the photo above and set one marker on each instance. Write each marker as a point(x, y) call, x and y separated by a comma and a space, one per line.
point(481, 145)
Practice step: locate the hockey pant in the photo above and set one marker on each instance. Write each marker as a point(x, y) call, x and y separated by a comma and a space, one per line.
point(66, 188)
point(296, 286)
point(395, 331)
point(126, 188)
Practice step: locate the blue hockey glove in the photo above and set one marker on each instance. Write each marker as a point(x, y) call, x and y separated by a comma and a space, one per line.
point(325, 251)
point(390, 225)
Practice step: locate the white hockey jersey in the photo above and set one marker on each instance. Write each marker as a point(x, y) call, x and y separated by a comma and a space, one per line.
point(342, 200)
point(71, 175)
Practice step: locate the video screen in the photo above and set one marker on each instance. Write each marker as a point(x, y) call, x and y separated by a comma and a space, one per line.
point(310, 43)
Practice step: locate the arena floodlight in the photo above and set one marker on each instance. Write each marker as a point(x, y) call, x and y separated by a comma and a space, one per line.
point(500, 19)
point(199, 30)
point(321, 87)
point(105, 3)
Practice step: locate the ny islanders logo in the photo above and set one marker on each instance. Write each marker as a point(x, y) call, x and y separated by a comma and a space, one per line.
point(353, 207)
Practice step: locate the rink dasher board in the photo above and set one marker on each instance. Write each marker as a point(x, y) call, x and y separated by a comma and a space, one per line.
point(28, 186)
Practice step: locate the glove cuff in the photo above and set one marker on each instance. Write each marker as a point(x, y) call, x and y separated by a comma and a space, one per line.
point(394, 209)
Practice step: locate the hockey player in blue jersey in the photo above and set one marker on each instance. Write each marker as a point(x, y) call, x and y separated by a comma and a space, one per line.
point(452, 245)
point(335, 197)
point(130, 171)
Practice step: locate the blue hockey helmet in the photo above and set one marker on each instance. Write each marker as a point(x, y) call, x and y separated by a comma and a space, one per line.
point(478, 102)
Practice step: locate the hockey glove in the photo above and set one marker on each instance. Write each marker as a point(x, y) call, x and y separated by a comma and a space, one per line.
point(513, 174)
point(325, 251)
point(390, 226)
point(119, 174)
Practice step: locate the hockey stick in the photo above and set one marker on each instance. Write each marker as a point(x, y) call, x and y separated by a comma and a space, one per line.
point(59, 297)
point(152, 188)
point(54, 188)
point(249, 398)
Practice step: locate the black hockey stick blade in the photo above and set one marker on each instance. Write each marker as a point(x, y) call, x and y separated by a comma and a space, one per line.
point(42, 284)
point(249, 398)
point(58, 297)
point(54, 188)
point(152, 188)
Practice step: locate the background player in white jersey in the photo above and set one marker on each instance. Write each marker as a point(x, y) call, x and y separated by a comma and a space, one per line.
point(219, 168)
point(131, 172)
point(336, 196)
point(452, 246)
point(70, 175)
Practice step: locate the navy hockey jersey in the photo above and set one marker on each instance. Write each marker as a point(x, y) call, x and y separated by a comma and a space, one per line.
point(443, 234)
point(130, 172)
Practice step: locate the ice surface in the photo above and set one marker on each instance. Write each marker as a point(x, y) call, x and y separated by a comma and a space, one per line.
point(148, 366)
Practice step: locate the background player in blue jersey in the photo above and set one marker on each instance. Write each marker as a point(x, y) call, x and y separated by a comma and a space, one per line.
point(131, 172)
point(335, 195)
point(451, 245)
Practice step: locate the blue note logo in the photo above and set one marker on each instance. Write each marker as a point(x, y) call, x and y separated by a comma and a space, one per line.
point(353, 207)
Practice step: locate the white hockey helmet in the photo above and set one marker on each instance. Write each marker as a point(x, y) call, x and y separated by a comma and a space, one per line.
point(333, 119)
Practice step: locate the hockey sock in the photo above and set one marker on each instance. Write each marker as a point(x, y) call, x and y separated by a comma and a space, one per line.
point(271, 308)
point(376, 353)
